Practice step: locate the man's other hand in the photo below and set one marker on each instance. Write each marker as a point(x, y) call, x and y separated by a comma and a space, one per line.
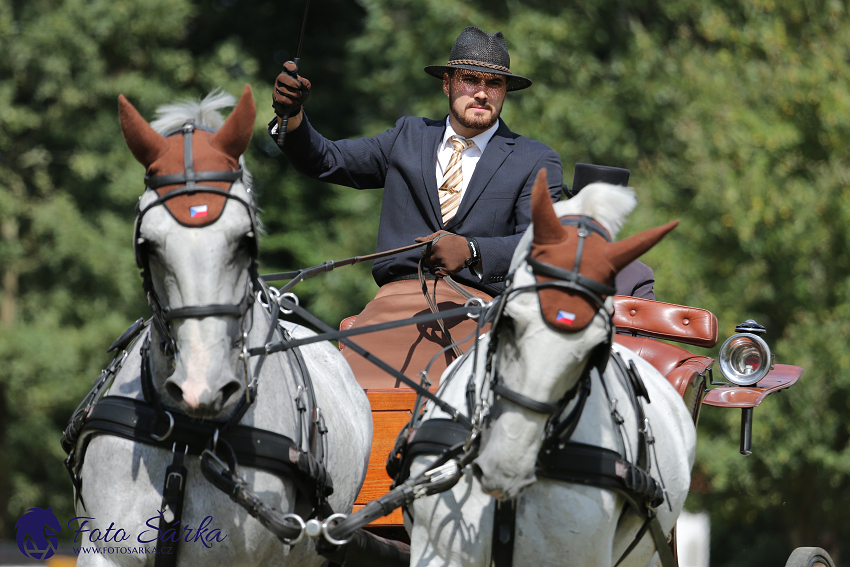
point(449, 254)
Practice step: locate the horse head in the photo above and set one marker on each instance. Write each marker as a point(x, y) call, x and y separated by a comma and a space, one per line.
point(556, 322)
point(197, 255)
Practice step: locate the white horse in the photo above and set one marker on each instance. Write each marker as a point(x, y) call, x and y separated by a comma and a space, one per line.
point(198, 248)
point(544, 339)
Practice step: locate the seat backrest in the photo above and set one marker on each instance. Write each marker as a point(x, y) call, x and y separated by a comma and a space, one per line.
point(688, 325)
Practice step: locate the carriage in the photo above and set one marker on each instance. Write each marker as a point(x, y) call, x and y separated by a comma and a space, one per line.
point(323, 463)
point(649, 328)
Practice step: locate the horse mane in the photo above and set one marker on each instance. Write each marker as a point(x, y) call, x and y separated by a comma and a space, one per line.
point(171, 117)
point(608, 204)
point(206, 113)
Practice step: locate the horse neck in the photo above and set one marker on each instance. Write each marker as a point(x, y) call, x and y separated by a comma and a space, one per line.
point(277, 381)
point(455, 378)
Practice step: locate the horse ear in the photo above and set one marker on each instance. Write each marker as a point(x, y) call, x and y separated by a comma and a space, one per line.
point(624, 252)
point(144, 142)
point(547, 227)
point(234, 136)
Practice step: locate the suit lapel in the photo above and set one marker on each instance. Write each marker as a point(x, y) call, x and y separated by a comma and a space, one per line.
point(430, 140)
point(498, 149)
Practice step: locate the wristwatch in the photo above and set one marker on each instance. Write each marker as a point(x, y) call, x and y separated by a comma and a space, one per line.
point(474, 260)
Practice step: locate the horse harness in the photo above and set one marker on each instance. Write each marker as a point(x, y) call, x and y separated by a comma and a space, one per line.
point(220, 444)
point(560, 458)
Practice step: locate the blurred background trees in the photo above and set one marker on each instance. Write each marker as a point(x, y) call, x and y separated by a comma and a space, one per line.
point(733, 116)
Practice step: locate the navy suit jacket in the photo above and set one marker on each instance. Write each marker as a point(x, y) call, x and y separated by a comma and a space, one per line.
point(636, 280)
point(495, 209)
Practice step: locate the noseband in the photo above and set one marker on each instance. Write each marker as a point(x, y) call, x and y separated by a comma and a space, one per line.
point(192, 182)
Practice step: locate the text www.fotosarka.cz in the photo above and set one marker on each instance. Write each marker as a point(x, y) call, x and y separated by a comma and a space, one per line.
point(110, 540)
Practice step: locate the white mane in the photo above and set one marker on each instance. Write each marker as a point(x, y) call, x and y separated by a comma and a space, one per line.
point(608, 204)
point(170, 117)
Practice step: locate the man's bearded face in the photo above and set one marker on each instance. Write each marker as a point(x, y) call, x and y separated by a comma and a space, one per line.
point(475, 99)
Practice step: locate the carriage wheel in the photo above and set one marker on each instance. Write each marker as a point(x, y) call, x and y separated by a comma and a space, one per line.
point(809, 557)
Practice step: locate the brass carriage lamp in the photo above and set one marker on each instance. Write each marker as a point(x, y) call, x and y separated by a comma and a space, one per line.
point(745, 359)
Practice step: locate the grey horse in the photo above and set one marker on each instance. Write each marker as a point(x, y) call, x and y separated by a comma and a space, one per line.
point(198, 250)
point(543, 341)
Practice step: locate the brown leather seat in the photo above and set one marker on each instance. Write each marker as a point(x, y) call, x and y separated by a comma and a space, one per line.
point(408, 349)
point(411, 349)
point(684, 370)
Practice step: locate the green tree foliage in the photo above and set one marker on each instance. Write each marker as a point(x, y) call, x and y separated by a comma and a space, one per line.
point(733, 117)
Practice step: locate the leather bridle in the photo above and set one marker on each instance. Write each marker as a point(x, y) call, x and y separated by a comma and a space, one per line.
point(570, 280)
point(193, 182)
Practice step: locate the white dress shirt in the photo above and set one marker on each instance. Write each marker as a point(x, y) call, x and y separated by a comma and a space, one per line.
point(469, 158)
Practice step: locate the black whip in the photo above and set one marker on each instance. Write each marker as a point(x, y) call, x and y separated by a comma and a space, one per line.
point(283, 121)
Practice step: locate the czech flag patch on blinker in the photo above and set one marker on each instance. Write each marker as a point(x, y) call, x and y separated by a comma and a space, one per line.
point(565, 317)
point(198, 211)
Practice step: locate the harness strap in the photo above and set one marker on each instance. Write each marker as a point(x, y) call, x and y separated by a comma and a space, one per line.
point(195, 176)
point(555, 272)
point(278, 454)
point(604, 468)
point(432, 304)
point(504, 534)
point(313, 320)
point(303, 274)
point(201, 311)
point(336, 334)
point(171, 510)
point(432, 437)
point(545, 408)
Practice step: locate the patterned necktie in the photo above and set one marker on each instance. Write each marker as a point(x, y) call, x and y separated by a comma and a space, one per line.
point(450, 188)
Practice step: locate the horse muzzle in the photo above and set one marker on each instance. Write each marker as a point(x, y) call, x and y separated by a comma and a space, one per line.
point(499, 483)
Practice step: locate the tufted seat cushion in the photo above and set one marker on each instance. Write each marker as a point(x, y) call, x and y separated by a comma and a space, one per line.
point(689, 325)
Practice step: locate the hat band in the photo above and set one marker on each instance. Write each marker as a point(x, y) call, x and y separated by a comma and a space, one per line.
point(479, 63)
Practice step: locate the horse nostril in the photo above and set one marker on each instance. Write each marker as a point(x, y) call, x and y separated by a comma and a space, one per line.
point(174, 391)
point(229, 389)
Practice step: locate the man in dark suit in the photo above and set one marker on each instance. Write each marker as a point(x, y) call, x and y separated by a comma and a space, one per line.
point(473, 192)
point(464, 180)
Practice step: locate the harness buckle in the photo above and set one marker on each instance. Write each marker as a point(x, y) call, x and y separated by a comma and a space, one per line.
point(615, 414)
point(161, 438)
point(168, 481)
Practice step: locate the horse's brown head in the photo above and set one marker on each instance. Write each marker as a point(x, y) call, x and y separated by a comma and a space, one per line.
point(210, 152)
point(560, 245)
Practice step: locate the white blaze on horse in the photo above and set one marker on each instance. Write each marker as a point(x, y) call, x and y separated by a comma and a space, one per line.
point(533, 369)
point(302, 418)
